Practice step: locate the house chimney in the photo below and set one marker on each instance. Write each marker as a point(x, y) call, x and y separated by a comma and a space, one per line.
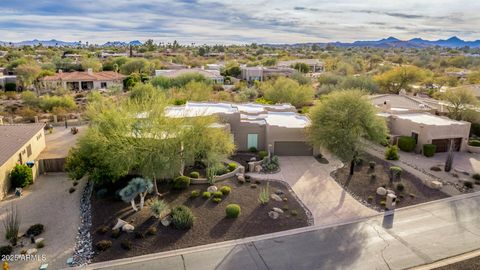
point(90, 71)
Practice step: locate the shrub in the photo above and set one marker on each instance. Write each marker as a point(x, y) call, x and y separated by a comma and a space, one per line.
point(35, 230)
point(101, 193)
point(406, 143)
point(126, 244)
point(476, 176)
point(435, 169)
point(206, 195)
point(429, 150)
point(75, 183)
point(270, 164)
point(225, 190)
point(139, 235)
point(372, 164)
point(232, 166)
point(391, 153)
point(217, 194)
point(115, 233)
point(71, 190)
point(253, 185)
point(103, 245)
point(264, 196)
point(40, 245)
point(383, 203)
point(11, 224)
point(474, 143)
point(102, 230)
point(21, 176)
point(217, 200)
point(6, 250)
point(468, 184)
point(181, 182)
point(294, 213)
point(194, 175)
point(400, 187)
point(195, 194)
point(395, 173)
point(232, 210)
point(159, 208)
point(182, 218)
point(152, 231)
point(262, 154)
point(253, 149)
point(370, 199)
point(10, 87)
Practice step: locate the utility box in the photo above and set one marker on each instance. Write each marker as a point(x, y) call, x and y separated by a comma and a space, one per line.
point(391, 201)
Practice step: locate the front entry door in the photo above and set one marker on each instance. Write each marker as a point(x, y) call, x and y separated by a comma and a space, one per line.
point(252, 141)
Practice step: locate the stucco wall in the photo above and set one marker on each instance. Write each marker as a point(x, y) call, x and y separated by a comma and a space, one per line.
point(37, 147)
point(275, 134)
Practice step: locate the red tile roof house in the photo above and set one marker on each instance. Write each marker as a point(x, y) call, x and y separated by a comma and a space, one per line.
point(82, 80)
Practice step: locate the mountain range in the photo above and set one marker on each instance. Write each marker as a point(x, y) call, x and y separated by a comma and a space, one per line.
point(392, 42)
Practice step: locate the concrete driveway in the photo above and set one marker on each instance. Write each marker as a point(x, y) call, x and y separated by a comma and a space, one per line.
point(311, 181)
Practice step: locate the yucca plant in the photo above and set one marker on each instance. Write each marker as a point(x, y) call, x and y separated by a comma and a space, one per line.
point(264, 196)
point(12, 225)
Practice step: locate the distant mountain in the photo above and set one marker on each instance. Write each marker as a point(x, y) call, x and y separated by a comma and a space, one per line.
point(392, 42)
point(59, 43)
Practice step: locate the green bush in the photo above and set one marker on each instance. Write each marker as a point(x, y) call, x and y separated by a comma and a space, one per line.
point(391, 153)
point(476, 176)
point(217, 194)
point(40, 245)
point(182, 218)
point(474, 143)
point(217, 200)
point(35, 230)
point(406, 143)
point(195, 194)
point(395, 172)
point(270, 165)
point(225, 190)
point(400, 187)
point(206, 195)
point(194, 175)
point(262, 154)
point(181, 182)
point(103, 245)
point(370, 199)
point(232, 166)
point(6, 250)
point(429, 150)
point(21, 176)
point(253, 149)
point(468, 184)
point(232, 210)
point(115, 233)
point(152, 230)
point(475, 129)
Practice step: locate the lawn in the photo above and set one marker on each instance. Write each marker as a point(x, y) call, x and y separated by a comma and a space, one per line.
point(211, 224)
point(364, 185)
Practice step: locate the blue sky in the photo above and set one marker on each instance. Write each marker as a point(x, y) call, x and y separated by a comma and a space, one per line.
point(241, 21)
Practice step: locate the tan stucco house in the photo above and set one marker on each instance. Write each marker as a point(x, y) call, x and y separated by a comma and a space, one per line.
point(19, 144)
point(82, 80)
point(276, 127)
point(408, 116)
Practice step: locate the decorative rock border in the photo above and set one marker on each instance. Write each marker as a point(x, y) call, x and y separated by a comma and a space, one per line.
point(83, 246)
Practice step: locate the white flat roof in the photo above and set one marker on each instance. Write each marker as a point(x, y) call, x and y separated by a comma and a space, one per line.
point(429, 119)
point(192, 109)
point(287, 119)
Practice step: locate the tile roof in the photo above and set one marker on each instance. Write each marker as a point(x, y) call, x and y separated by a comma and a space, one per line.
point(85, 76)
point(13, 137)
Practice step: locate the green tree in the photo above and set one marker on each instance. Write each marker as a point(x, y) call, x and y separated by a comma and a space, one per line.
point(284, 90)
point(399, 78)
point(21, 176)
point(302, 67)
point(27, 74)
point(136, 66)
point(92, 63)
point(341, 121)
point(459, 100)
point(232, 69)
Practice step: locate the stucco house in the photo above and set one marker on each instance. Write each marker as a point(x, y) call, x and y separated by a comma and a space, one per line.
point(251, 74)
point(213, 75)
point(408, 116)
point(19, 144)
point(276, 127)
point(82, 80)
point(315, 64)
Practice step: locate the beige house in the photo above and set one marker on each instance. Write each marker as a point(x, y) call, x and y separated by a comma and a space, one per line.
point(251, 74)
point(82, 80)
point(408, 116)
point(19, 144)
point(276, 127)
point(315, 64)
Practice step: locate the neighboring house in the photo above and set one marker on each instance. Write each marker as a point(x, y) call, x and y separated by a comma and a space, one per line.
point(213, 75)
point(82, 80)
point(5, 79)
point(19, 144)
point(314, 64)
point(251, 74)
point(105, 55)
point(276, 127)
point(408, 116)
point(214, 67)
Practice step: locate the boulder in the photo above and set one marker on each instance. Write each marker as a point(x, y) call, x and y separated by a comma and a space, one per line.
point(241, 169)
point(39, 240)
point(32, 251)
point(258, 168)
point(119, 224)
point(253, 159)
point(279, 192)
point(212, 189)
point(381, 191)
point(128, 228)
point(278, 210)
point(435, 184)
point(273, 214)
point(389, 191)
point(241, 179)
point(275, 197)
point(166, 221)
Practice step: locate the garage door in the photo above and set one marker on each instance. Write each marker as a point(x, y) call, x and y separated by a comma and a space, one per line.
point(292, 149)
point(442, 144)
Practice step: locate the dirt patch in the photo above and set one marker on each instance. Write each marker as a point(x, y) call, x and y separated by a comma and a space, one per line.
point(362, 185)
point(210, 225)
point(244, 157)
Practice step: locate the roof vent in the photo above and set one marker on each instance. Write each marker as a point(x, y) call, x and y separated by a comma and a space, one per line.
point(90, 71)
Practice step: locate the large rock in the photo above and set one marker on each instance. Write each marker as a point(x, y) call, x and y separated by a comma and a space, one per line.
point(166, 221)
point(212, 189)
point(128, 228)
point(275, 197)
point(381, 191)
point(32, 251)
point(273, 214)
point(39, 240)
point(389, 191)
point(119, 225)
point(258, 168)
point(241, 178)
point(435, 184)
point(278, 210)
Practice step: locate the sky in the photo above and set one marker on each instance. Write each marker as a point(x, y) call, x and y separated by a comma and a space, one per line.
point(237, 21)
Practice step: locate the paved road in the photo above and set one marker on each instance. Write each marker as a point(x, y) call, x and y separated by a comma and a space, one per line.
point(328, 202)
point(412, 236)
